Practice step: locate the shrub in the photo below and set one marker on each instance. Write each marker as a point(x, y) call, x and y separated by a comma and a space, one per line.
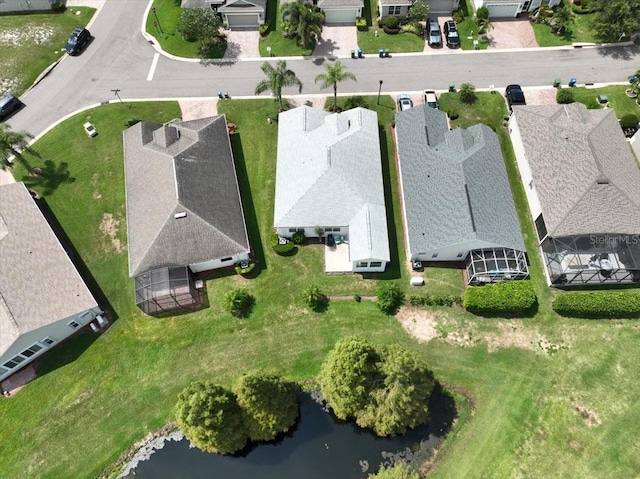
point(508, 297)
point(413, 27)
point(355, 102)
point(468, 93)
point(281, 248)
point(398, 471)
point(564, 96)
point(361, 24)
point(298, 237)
point(390, 298)
point(629, 121)
point(380, 22)
point(246, 270)
point(263, 29)
point(592, 104)
point(237, 301)
point(357, 298)
point(58, 7)
point(453, 114)
point(457, 16)
point(131, 122)
point(391, 22)
point(482, 13)
point(598, 304)
point(435, 300)
point(314, 298)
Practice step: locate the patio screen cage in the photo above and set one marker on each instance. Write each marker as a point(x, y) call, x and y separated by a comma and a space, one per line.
point(593, 259)
point(166, 289)
point(496, 264)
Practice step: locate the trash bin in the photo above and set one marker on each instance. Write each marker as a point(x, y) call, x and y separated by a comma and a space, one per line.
point(557, 82)
point(386, 53)
point(452, 87)
point(572, 82)
point(381, 53)
point(359, 53)
point(353, 53)
point(220, 95)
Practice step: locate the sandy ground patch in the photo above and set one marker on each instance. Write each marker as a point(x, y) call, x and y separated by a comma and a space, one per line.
point(109, 227)
point(195, 109)
point(29, 34)
point(419, 323)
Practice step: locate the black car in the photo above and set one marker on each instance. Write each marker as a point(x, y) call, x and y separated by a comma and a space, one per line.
point(8, 104)
point(451, 34)
point(435, 36)
point(77, 41)
point(514, 95)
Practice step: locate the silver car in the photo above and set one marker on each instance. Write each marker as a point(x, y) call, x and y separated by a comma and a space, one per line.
point(435, 35)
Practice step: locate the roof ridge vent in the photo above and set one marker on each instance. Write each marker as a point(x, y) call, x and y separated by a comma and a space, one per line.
point(182, 214)
point(328, 156)
point(602, 179)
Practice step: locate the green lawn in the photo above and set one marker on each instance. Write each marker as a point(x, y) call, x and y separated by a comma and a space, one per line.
point(30, 43)
point(618, 100)
point(468, 30)
point(552, 397)
point(280, 47)
point(168, 13)
point(369, 43)
point(579, 31)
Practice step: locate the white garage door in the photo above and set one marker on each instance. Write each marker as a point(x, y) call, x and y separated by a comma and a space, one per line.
point(239, 21)
point(442, 6)
point(508, 10)
point(341, 16)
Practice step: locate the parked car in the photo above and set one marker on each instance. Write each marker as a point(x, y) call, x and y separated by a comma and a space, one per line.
point(8, 104)
point(90, 129)
point(514, 95)
point(451, 34)
point(404, 102)
point(435, 35)
point(430, 98)
point(77, 41)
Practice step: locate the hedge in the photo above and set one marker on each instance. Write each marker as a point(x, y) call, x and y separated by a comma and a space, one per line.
point(434, 300)
point(506, 297)
point(281, 248)
point(598, 304)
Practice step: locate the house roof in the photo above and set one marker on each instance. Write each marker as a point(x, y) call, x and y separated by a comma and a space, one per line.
point(38, 283)
point(243, 6)
point(329, 173)
point(586, 177)
point(400, 3)
point(329, 4)
point(183, 201)
point(455, 185)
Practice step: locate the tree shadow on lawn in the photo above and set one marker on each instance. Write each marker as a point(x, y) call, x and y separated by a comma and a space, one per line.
point(49, 177)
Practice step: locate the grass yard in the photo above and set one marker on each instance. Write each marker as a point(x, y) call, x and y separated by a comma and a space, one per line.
point(468, 30)
point(30, 43)
point(578, 31)
point(280, 46)
point(618, 100)
point(553, 397)
point(168, 13)
point(369, 43)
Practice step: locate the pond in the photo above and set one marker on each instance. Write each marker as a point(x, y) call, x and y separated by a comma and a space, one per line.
point(318, 447)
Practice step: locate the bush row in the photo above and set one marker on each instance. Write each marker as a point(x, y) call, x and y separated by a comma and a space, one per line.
point(598, 304)
point(434, 300)
point(507, 297)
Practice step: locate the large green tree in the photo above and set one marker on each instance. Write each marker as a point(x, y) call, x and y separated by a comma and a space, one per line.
point(278, 77)
point(615, 18)
point(199, 24)
point(305, 21)
point(335, 74)
point(210, 417)
point(269, 404)
point(419, 11)
point(13, 142)
point(399, 471)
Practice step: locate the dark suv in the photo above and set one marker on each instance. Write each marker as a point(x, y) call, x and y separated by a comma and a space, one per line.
point(515, 96)
point(77, 41)
point(8, 104)
point(451, 34)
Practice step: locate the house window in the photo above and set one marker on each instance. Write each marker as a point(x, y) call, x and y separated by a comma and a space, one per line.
point(541, 227)
point(48, 341)
point(394, 10)
point(362, 264)
point(293, 230)
point(434, 255)
point(460, 255)
point(226, 259)
point(31, 351)
point(73, 324)
point(376, 264)
point(13, 362)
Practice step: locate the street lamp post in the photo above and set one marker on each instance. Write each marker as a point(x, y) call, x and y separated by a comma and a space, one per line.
point(116, 91)
point(379, 91)
point(157, 22)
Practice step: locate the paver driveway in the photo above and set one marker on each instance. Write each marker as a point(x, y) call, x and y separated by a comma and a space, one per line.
point(511, 33)
point(337, 41)
point(242, 44)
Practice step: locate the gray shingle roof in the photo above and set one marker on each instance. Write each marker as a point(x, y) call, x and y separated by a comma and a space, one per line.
point(329, 173)
point(243, 6)
point(396, 2)
point(38, 283)
point(455, 184)
point(339, 3)
point(586, 177)
point(169, 174)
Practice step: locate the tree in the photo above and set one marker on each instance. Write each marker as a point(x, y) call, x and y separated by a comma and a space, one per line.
point(335, 74)
point(313, 297)
point(482, 20)
point(390, 297)
point(269, 404)
point(348, 375)
point(399, 471)
point(13, 142)
point(237, 301)
point(468, 93)
point(614, 18)
point(210, 417)
point(564, 96)
point(305, 21)
point(419, 11)
point(401, 401)
point(562, 18)
point(277, 78)
point(199, 24)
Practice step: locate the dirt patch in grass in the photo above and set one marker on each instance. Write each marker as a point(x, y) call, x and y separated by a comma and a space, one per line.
point(31, 33)
point(419, 323)
point(591, 419)
point(109, 227)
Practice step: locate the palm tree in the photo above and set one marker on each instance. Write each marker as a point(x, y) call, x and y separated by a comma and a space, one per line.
point(335, 74)
point(277, 78)
point(13, 142)
point(304, 21)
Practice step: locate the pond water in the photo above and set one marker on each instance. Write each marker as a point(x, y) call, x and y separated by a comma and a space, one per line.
point(319, 447)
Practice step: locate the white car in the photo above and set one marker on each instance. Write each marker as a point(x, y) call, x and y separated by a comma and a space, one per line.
point(90, 129)
point(404, 102)
point(430, 98)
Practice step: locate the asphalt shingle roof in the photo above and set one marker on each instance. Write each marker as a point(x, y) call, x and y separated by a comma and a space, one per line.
point(340, 3)
point(183, 201)
point(39, 284)
point(329, 173)
point(455, 184)
point(584, 172)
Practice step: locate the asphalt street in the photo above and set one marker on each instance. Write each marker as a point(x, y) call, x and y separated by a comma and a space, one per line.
point(120, 58)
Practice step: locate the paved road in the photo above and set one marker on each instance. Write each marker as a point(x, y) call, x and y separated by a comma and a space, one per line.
point(120, 58)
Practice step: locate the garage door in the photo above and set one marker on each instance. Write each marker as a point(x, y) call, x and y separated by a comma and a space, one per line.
point(509, 10)
point(442, 6)
point(240, 21)
point(341, 16)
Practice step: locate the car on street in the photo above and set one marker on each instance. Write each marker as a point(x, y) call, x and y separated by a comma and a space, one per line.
point(77, 41)
point(514, 95)
point(8, 104)
point(451, 34)
point(435, 34)
point(90, 129)
point(430, 98)
point(404, 102)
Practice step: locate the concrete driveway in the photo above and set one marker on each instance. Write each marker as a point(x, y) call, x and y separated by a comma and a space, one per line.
point(337, 41)
point(242, 44)
point(511, 33)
